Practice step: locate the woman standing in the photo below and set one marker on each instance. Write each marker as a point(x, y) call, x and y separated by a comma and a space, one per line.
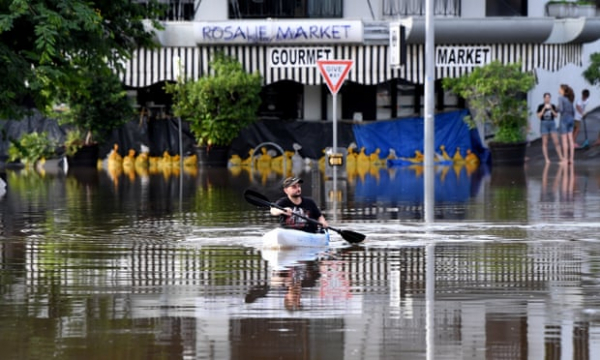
point(567, 120)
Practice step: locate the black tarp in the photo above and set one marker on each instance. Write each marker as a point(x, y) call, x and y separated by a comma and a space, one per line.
point(162, 134)
point(313, 136)
point(32, 122)
point(158, 135)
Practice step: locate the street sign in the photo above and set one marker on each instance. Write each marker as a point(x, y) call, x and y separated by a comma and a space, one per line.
point(397, 48)
point(334, 72)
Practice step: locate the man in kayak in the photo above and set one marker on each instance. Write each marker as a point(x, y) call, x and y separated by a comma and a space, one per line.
point(294, 202)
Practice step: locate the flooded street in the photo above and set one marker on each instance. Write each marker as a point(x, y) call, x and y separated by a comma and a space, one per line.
point(170, 266)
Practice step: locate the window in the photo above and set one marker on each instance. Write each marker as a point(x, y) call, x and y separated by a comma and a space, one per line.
point(397, 98)
point(506, 8)
point(282, 100)
point(285, 9)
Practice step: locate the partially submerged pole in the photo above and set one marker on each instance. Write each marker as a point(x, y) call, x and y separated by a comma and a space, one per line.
point(429, 116)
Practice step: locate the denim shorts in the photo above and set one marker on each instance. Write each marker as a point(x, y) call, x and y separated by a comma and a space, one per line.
point(566, 125)
point(547, 127)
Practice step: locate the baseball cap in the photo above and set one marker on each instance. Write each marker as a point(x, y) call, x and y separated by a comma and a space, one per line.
point(291, 181)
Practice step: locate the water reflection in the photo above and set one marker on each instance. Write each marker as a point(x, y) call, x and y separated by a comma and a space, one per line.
point(495, 300)
point(453, 184)
point(309, 278)
point(172, 267)
point(564, 191)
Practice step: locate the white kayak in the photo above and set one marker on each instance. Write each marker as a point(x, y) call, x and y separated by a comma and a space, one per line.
point(282, 238)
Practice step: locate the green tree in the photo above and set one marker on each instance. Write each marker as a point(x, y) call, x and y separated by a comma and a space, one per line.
point(496, 95)
point(220, 105)
point(592, 73)
point(96, 108)
point(45, 44)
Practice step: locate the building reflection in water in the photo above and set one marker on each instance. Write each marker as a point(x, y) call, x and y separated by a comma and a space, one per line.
point(85, 262)
point(405, 185)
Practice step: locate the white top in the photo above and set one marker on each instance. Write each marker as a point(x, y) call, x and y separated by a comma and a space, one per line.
point(582, 104)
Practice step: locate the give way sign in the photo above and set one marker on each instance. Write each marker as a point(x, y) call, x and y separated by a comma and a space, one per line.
point(335, 72)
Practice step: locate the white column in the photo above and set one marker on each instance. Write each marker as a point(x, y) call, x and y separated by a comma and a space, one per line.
point(473, 334)
point(566, 339)
point(594, 341)
point(535, 330)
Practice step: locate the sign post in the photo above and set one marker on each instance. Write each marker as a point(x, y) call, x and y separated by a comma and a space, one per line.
point(334, 72)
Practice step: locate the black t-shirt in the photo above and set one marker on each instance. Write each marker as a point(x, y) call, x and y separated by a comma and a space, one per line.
point(307, 207)
point(547, 115)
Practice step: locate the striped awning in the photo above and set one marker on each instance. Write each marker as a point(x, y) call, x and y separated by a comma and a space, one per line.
point(371, 63)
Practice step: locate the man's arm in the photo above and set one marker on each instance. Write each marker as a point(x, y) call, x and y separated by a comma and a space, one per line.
point(276, 212)
point(323, 222)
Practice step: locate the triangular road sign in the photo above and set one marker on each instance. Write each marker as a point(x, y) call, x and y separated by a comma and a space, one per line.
point(335, 72)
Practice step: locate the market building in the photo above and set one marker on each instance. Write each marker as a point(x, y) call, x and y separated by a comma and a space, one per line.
point(283, 39)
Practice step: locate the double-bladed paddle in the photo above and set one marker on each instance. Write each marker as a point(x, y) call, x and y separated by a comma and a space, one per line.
point(259, 199)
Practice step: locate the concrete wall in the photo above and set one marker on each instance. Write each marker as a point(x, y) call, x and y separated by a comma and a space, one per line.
point(473, 8)
point(536, 8)
point(212, 10)
point(360, 9)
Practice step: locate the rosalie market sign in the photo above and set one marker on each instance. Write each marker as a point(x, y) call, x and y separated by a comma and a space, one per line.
point(279, 32)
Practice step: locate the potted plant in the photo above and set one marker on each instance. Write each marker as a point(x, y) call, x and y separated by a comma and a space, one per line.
point(566, 9)
point(92, 113)
point(559, 9)
point(586, 8)
point(217, 106)
point(496, 96)
point(31, 148)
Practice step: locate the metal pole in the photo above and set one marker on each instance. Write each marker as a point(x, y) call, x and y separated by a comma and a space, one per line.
point(429, 113)
point(430, 301)
point(334, 151)
point(177, 73)
point(334, 123)
point(180, 145)
point(180, 165)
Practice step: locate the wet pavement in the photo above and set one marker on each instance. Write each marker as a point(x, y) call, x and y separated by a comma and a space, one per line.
point(165, 266)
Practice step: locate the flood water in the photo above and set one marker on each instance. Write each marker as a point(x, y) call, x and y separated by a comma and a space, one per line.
point(170, 266)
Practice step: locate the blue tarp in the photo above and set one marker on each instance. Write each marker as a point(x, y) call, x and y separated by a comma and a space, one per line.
point(406, 135)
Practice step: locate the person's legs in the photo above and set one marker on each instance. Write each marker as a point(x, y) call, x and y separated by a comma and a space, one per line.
point(557, 146)
point(565, 129)
point(571, 143)
point(576, 128)
point(545, 148)
point(565, 148)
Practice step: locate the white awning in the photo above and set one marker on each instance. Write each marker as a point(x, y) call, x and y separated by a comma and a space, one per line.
point(371, 62)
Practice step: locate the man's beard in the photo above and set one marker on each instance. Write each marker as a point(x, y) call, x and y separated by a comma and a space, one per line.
point(295, 195)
